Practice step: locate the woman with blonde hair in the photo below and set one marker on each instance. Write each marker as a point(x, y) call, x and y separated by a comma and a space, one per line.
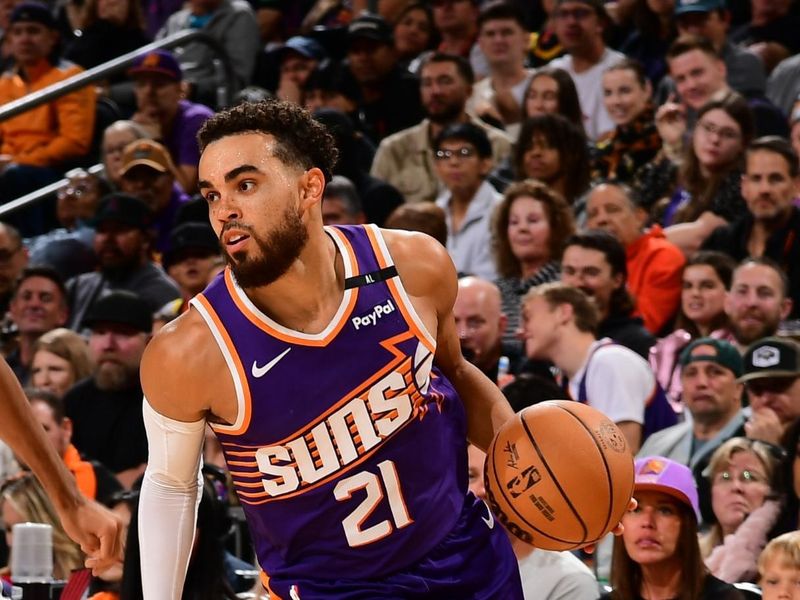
point(23, 500)
point(744, 507)
point(60, 359)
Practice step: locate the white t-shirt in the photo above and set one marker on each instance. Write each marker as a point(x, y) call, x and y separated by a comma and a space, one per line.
point(483, 91)
point(619, 382)
point(589, 84)
point(556, 576)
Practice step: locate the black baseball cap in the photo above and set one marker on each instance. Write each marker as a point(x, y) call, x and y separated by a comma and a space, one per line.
point(124, 209)
point(187, 237)
point(35, 12)
point(121, 308)
point(372, 27)
point(772, 357)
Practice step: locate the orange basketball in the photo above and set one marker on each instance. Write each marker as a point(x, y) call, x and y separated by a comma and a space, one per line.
point(559, 475)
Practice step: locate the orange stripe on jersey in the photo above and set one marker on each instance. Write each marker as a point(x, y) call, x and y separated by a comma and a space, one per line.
point(376, 248)
point(226, 339)
point(390, 283)
point(286, 336)
point(250, 485)
point(241, 463)
point(245, 474)
point(399, 358)
point(265, 583)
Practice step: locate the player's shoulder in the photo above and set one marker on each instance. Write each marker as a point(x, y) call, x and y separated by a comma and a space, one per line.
point(180, 345)
point(424, 266)
point(180, 368)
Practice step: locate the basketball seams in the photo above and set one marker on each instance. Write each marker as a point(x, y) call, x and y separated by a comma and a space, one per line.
point(553, 477)
point(500, 487)
point(605, 464)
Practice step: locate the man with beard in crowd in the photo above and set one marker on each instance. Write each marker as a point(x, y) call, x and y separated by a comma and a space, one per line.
point(106, 408)
point(770, 226)
point(122, 245)
point(757, 301)
point(405, 159)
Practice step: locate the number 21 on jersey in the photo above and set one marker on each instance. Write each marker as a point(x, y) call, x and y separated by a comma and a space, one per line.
point(378, 486)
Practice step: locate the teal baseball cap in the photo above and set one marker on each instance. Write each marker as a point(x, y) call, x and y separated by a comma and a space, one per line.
point(713, 350)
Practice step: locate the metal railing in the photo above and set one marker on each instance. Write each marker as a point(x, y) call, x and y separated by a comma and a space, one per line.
point(61, 88)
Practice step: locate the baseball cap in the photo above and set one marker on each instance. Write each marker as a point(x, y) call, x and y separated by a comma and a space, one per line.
point(712, 350)
point(772, 357)
point(33, 11)
point(148, 153)
point(157, 61)
point(121, 308)
point(124, 209)
point(659, 474)
point(190, 236)
point(305, 46)
point(683, 7)
point(370, 26)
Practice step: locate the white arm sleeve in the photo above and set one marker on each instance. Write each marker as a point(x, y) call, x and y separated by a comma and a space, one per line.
point(168, 502)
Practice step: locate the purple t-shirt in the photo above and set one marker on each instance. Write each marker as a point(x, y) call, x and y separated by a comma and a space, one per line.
point(182, 140)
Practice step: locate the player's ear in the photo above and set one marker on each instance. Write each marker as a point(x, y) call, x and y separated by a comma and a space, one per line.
point(312, 185)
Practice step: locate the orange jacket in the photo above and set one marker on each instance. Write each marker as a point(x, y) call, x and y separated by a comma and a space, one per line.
point(655, 268)
point(51, 133)
point(83, 472)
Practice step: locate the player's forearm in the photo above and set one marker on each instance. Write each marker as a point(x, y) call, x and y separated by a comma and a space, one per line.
point(168, 502)
point(27, 438)
point(487, 408)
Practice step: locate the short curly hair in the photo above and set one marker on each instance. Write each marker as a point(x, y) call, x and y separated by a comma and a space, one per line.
point(300, 140)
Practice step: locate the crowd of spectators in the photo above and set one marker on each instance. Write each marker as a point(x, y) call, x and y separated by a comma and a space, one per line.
point(617, 183)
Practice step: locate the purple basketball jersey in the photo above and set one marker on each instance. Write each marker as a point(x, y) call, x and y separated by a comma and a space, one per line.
point(349, 450)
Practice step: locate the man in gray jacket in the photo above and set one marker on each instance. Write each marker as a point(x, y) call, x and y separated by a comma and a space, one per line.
point(712, 395)
point(233, 24)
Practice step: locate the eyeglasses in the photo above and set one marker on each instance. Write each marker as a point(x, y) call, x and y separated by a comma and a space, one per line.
point(725, 133)
point(459, 153)
point(579, 14)
point(777, 385)
point(74, 191)
point(745, 477)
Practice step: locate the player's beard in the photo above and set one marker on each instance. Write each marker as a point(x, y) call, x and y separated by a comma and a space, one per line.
point(277, 252)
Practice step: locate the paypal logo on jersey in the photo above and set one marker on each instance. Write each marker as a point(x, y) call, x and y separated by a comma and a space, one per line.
point(372, 317)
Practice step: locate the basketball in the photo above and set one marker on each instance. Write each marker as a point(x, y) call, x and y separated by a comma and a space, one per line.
point(559, 475)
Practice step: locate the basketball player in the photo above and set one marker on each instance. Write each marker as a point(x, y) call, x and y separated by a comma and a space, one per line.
point(327, 362)
point(92, 526)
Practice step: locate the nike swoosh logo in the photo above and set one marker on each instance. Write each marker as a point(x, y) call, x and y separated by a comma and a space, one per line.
point(259, 372)
point(490, 519)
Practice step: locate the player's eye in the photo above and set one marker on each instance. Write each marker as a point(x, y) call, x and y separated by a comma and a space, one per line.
point(246, 185)
point(211, 196)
